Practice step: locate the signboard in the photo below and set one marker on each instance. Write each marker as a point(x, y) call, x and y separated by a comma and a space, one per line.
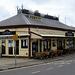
point(15, 37)
point(7, 32)
point(6, 37)
point(69, 33)
point(10, 37)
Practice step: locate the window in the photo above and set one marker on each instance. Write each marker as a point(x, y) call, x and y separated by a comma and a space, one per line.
point(54, 43)
point(69, 43)
point(59, 44)
point(24, 43)
point(3, 46)
point(10, 46)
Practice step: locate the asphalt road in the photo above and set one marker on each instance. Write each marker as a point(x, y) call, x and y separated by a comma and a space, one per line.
point(62, 67)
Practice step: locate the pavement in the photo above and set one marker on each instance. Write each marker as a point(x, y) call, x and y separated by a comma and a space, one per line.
point(9, 63)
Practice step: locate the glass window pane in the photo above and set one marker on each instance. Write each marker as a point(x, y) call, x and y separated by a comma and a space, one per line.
point(10, 46)
point(3, 46)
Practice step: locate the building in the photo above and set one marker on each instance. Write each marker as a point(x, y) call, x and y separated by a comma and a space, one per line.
point(35, 34)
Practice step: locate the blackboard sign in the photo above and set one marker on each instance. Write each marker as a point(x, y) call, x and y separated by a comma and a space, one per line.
point(69, 33)
point(7, 32)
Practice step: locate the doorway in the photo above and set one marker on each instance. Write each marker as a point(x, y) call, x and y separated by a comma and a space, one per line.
point(34, 47)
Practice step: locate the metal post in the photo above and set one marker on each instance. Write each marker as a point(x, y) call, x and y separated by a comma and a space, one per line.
point(15, 37)
point(15, 53)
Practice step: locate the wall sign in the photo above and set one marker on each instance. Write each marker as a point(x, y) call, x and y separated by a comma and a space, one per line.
point(7, 32)
point(69, 33)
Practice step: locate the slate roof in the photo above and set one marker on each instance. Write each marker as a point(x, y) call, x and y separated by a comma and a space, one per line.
point(21, 19)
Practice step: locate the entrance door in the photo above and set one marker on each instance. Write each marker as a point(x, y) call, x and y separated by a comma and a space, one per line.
point(34, 47)
point(3, 46)
point(17, 47)
point(59, 44)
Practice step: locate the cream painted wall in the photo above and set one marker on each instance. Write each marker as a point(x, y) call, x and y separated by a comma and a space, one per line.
point(23, 51)
point(48, 31)
point(15, 29)
point(35, 36)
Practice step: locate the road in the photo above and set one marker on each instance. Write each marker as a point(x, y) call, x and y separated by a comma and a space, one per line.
point(62, 67)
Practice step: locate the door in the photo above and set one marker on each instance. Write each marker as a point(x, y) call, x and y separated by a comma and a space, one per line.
point(34, 47)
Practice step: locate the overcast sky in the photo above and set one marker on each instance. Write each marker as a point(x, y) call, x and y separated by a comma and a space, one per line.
point(64, 8)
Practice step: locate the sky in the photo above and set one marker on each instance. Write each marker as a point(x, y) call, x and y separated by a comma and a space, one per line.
point(64, 9)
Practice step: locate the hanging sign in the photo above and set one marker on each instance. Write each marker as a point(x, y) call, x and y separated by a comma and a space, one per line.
point(15, 37)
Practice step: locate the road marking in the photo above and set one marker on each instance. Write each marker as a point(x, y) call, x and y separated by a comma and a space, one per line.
point(49, 68)
point(70, 60)
point(60, 66)
point(48, 63)
point(23, 67)
point(45, 64)
point(68, 63)
point(63, 63)
point(35, 72)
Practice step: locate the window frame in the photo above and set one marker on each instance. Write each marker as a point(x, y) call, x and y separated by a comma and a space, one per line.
point(24, 43)
point(10, 46)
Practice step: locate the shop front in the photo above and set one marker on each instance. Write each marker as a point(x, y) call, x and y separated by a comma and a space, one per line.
point(8, 46)
point(46, 40)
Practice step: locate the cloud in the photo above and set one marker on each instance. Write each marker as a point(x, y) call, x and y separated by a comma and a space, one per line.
point(4, 13)
point(62, 8)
